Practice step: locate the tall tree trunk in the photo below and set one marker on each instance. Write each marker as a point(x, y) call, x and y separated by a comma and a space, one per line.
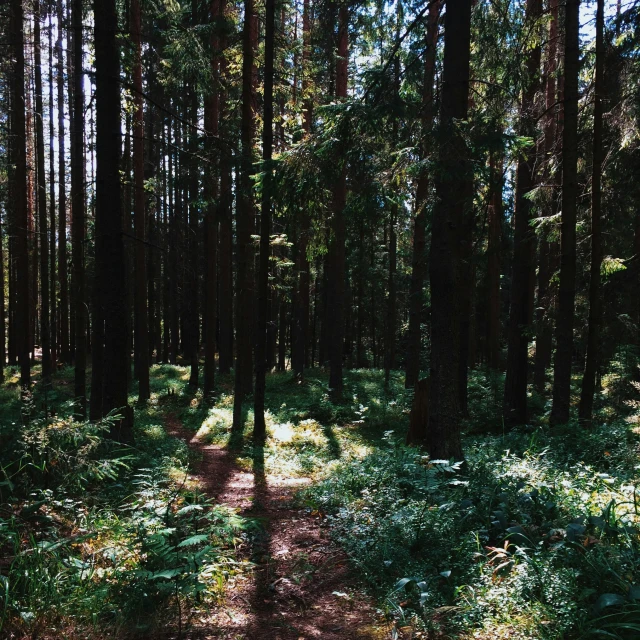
point(192, 316)
point(225, 275)
point(141, 337)
point(71, 104)
point(560, 410)
point(515, 391)
point(110, 254)
point(300, 334)
point(150, 171)
point(547, 252)
point(128, 240)
point(243, 383)
point(390, 338)
point(453, 192)
point(226, 270)
point(42, 204)
point(52, 205)
point(595, 297)
point(493, 261)
point(176, 228)
point(19, 194)
point(63, 339)
point(419, 258)
point(211, 107)
point(3, 309)
point(260, 429)
point(167, 200)
point(32, 238)
point(78, 213)
point(337, 249)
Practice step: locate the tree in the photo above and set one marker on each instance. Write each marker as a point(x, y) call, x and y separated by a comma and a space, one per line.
point(419, 259)
point(522, 279)
point(494, 246)
point(52, 203)
point(78, 230)
point(211, 108)
point(548, 249)
point(110, 278)
point(595, 303)
point(225, 271)
point(141, 337)
point(243, 378)
point(20, 223)
point(453, 200)
point(63, 339)
point(259, 430)
point(560, 410)
point(337, 255)
point(45, 335)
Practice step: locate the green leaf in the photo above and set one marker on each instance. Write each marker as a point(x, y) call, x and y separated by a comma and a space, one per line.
point(403, 582)
point(193, 540)
point(166, 574)
point(607, 600)
point(189, 508)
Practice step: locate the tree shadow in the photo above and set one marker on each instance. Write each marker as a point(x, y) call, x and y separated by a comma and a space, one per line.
point(236, 436)
point(333, 444)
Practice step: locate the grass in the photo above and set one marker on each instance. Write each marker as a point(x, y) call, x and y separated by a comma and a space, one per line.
point(534, 536)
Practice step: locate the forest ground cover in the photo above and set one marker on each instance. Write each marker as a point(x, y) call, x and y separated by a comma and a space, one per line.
point(533, 536)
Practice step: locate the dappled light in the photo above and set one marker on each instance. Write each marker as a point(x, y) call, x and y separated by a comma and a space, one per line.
point(319, 320)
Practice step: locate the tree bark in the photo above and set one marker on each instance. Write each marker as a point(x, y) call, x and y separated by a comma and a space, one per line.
point(52, 206)
point(19, 194)
point(110, 254)
point(494, 250)
point(560, 411)
point(522, 278)
point(453, 193)
point(243, 383)
point(63, 338)
point(337, 249)
point(419, 258)
point(45, 336)
point(211, 107)
point(78, 230)
point(548, 250)
point(260, 429)
point(141, 337)
point(585, 411)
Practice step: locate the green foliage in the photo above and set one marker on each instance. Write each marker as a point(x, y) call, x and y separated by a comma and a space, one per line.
point(534, 536)
point(96, 536)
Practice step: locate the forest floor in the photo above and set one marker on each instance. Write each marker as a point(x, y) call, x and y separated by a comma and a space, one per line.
point(298, 586)
point(334, 529)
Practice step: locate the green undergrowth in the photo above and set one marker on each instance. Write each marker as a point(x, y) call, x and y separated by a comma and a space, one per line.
point(99, 539)
point(307, 428)
point(535, 535)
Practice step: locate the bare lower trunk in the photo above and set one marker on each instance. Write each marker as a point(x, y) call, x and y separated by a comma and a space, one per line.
point(453, 191)
point(595, 296)
point(560, 411)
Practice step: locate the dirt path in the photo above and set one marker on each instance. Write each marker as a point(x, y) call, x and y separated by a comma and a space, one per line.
point(301, 588)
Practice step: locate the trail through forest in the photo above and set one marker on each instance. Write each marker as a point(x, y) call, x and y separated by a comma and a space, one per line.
point(301, 586)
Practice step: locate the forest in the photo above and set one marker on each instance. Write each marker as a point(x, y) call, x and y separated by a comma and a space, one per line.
point(320, 319)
